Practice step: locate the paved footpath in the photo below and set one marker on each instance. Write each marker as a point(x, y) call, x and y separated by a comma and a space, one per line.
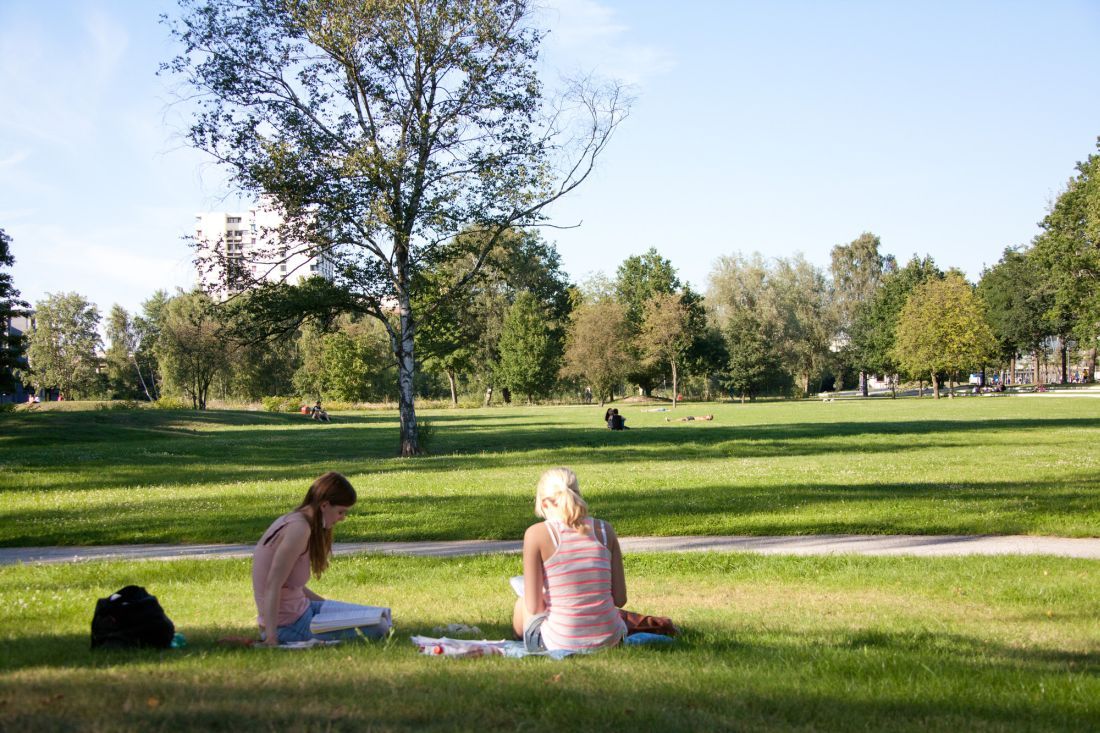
point(920, 545)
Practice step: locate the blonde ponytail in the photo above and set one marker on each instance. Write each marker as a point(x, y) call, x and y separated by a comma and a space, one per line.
point(561, 486)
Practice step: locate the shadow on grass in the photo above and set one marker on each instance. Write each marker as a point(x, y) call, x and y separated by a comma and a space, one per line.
point(101, 450)
point(861, 681)
point(490, 513)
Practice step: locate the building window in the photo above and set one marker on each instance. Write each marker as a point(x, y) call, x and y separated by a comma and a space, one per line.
point(234, 220)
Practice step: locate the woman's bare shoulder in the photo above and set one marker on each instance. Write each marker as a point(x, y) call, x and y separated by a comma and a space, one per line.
point(536, 531)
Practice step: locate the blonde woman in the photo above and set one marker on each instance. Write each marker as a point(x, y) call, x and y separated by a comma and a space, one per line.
point(573, 580)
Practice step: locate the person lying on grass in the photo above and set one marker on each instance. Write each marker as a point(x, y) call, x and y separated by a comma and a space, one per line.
point(292, 546)
point(573, 580)
point(689, 418)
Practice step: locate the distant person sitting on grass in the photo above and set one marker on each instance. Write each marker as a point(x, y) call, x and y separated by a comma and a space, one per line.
point(294, 545)
point(573, 579)
point(689, 418)
point(318, 413)
point(607, 416)
point(617, 421)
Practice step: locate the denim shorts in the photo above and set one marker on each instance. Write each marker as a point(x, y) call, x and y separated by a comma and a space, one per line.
point(299, 630)
point(532, 633)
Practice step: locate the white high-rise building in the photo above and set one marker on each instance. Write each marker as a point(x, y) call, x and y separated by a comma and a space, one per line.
point(245, 240)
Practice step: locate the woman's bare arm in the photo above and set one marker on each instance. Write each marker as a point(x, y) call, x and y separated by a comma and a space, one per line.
point(292, 543)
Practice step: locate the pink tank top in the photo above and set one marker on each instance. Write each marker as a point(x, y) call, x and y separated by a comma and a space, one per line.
point(292, 601)
point(580, 611)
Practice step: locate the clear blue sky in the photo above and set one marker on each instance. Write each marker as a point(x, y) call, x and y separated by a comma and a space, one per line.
point(779, 127)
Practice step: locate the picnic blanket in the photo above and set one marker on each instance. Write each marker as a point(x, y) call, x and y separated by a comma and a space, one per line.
point(468, 648)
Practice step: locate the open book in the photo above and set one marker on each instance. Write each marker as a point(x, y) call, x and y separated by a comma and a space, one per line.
point(516, 581)
point(335, 615)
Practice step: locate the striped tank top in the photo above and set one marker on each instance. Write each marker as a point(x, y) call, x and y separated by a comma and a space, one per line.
point(577, 587)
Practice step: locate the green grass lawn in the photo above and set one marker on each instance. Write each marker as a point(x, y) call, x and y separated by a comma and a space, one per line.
point(841, 643)
point(973, 465)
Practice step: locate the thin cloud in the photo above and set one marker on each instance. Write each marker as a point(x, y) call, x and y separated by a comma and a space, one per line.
point(593, 38)
point(14, 159)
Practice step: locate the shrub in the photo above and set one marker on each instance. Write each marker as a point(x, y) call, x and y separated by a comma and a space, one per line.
point(118, 405)
point(171, 403)
point(282, 404)
point(425, 431)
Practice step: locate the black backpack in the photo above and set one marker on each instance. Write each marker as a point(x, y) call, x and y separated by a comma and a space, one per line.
point(131, 618)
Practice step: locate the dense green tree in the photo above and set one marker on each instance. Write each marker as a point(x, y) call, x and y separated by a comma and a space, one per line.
point(666, 334)
point(349, 363)
point(380, 130)
point(638, 279)
point(806, 326)
point(529, 354)
point(462, 332)
point(943, 329)
point(875, 325)
point(857, 269)
point(124, 380)
point(746, 372)
point(594, 347)
point(147, 329)
point(193, 347)
point(707, 358)
point(62, 347)
point(309, 377)
point(789, 303)
point(1017, 303)
point(260, 369)
point(1068, 254)
point(12, 346)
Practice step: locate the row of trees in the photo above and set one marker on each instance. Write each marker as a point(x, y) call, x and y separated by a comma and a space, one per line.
point(779, 326)
point(409, 141)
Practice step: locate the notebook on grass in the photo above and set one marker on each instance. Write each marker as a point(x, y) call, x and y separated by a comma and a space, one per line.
point(335, 616)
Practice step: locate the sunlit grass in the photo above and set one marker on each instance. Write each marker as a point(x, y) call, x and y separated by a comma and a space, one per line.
point(846, 643)
point(974, 465)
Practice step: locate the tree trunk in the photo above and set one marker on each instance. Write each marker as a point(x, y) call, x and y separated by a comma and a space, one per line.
point(1062, 347)
point(406, 367)
point(506, 395)
point(454, 391)
point(935, 386)
point(142, 380)
point(1090, 364)
point(674, 384)
point(863, 383)
point(1036, 358)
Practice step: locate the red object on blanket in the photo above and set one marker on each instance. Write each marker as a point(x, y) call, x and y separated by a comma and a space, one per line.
point(637, 623)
